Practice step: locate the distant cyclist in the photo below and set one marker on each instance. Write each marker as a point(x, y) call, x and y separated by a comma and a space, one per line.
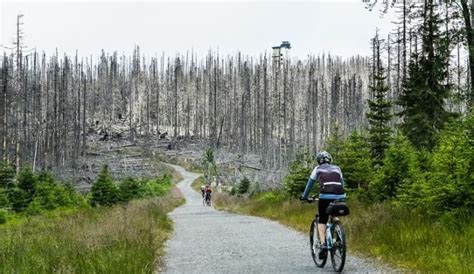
point(207, 194)
point(203, 191)
point(331, 187)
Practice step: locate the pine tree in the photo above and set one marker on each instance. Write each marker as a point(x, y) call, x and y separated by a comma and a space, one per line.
point(244, 185)
point(130, 189)
point(451, 184)
point(355, 161)
point(425, 91)
point(400, 167)
point(27, 182)
point(104, 191)
point(379, 114)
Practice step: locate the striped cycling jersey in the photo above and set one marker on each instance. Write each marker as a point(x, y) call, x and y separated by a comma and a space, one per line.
point(331, 182)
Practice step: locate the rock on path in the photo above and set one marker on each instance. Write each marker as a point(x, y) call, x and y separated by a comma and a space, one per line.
point(209, 241)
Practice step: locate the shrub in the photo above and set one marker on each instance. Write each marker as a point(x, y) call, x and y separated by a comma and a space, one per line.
point(130, 189)
point(451, 180)
point(48, 194)
point(35, 207)
point(355, 161)
point(158, 186)
point(400, 169)
point(51, 194)
point(71, 197)
point(19, 199)
point(104, 191)
point(26, 181)
point(244, 185)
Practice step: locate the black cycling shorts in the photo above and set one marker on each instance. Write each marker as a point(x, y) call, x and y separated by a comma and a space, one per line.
point(323, 205)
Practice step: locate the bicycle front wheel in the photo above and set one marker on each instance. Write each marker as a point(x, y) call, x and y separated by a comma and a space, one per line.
point(338, 251)
point(316, 244)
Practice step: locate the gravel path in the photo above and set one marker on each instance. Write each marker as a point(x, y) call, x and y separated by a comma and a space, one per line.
point(209, 241)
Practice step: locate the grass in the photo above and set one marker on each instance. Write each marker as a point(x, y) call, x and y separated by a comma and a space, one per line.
point(196, 185)
point(162, 168)
point(398, 237)
point(125, 238)
point(189, 165)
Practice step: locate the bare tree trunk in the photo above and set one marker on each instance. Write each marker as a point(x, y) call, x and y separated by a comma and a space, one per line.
point(467, 12)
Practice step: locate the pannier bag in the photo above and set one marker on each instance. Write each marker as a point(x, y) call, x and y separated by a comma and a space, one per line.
point(338, 208)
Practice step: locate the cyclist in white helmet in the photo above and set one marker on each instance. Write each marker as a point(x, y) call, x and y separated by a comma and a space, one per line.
point(331, 187)
point(203, 191)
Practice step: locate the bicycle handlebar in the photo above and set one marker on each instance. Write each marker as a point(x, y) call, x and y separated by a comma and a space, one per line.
point(310, 200)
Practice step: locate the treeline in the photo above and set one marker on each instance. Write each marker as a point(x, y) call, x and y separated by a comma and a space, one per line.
point(427, 161)
point(450, 22)
point(32, 193)
point(261, 105)
point(248, 104)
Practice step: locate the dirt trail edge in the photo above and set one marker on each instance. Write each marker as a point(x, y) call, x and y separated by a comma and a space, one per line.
point(206, 240)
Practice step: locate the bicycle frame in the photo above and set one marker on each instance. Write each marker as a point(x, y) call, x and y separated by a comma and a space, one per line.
point(329, 234)
point(329, 224)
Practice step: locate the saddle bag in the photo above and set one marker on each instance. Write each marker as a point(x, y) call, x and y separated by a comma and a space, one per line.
point(338, 208)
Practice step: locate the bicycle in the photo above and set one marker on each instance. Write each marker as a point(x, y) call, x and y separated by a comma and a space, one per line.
point(335, 239)
point(206, 200)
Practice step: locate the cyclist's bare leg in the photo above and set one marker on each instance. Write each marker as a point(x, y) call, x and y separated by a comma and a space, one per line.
point(322, 232)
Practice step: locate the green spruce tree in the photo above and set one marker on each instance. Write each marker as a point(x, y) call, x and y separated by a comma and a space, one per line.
point(244, 185)
point(426, 89)
point(130, 189)
point(104, 191)
point(400, 168)
point(356, 161)
point(379, 114)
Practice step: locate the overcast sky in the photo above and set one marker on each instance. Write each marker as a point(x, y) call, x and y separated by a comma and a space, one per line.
point(340, 27)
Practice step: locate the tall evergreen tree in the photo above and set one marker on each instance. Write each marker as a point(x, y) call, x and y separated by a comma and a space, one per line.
point(379, 114)
point(426, 89)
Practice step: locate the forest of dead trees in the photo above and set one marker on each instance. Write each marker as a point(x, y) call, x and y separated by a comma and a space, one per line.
point(247, 104)
point(239, 102)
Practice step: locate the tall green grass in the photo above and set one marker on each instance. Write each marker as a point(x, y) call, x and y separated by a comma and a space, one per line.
point(125, 238)
point(399, 237)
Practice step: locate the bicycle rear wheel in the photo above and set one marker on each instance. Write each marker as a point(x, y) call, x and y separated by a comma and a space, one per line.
point(316, 244)
point(338, 251)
